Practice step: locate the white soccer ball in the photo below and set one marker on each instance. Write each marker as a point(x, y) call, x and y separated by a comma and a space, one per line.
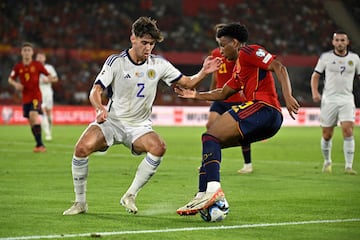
point(217, 212)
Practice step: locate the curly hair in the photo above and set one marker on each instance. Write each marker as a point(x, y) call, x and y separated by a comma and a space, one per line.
point(234, 30)
point(146, 25)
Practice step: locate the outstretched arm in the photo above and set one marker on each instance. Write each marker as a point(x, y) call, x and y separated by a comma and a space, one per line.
point(210, 65)
point(217, 94)
point(283, 77)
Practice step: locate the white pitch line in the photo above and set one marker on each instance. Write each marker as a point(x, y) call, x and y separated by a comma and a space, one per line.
point(100, 234)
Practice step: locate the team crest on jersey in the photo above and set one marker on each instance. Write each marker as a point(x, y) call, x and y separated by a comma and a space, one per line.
point(151, 74)
point(32, 69)
point(351, 63)
point(260, 52)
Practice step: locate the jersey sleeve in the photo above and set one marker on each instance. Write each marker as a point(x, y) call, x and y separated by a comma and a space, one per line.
point(357, 66)
point(14, 72)
point(257, 56)
point(41, 68)
point(320, 65)
point(105, 76)
point(51, 70)
point(170, 73)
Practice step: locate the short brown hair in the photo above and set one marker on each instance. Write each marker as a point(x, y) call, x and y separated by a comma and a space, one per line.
point(146, 25)
point(27, 44)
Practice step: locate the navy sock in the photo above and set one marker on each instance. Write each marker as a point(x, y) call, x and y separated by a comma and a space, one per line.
point(246, 151)
point(36, 130)
point(202, 179)
point(211, 157)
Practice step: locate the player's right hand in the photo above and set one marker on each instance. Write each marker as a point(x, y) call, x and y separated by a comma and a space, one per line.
point(101, 115)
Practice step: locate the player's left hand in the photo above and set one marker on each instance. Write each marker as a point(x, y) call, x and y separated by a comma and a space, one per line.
point(185, 93)
point(292, 106)
point(211, 64)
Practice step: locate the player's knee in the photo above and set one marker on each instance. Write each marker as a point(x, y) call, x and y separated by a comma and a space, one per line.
point(158, 149)
point(82, 150)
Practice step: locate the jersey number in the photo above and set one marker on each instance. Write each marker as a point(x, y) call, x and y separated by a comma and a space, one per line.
point(141, 89)
point(342, 69)
point(222, 68)
point(237, 108)
point(27, 77)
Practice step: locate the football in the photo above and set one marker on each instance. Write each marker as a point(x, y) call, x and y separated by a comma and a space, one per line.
point(216, 212)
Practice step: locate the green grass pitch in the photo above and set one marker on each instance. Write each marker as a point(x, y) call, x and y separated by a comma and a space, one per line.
point(287, 196)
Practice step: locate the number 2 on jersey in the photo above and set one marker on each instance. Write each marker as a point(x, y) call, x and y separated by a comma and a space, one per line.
point(141, 89)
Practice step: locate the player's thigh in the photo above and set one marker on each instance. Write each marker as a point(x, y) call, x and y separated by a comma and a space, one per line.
point(224, 128)
point(150, 142)
point(91, 140)
point(211, 119)
point(48, 101)
point(329, 114)
point(347, 112)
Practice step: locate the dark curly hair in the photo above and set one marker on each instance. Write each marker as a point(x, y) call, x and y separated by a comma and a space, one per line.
point(146, 25)
point(234, 30)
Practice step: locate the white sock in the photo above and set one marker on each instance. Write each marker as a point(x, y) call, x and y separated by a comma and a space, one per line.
point(213, 186)
point(45, 125)
point(145, 171)
point(326, 149)
point(80, 173)
point(349, 149)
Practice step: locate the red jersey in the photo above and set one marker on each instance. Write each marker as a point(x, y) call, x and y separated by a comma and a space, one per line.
point(224, 74)
point(251, 75)
point(29, 76)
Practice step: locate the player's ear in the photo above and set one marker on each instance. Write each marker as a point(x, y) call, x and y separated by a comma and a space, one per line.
point(236, 42)
point(132, 38)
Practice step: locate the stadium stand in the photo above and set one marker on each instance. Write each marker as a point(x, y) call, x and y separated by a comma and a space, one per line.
point(77, 35)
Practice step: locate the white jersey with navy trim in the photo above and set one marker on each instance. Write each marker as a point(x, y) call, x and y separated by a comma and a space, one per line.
point(132, 87)
point(46, 88)
point(339, 75)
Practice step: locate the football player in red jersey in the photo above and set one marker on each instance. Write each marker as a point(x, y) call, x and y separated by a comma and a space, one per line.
point(256, 119)
point(217, 108)
point(28, 72)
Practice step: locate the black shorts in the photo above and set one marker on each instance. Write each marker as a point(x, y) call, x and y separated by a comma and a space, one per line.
point(257, 121)
point(35, 105)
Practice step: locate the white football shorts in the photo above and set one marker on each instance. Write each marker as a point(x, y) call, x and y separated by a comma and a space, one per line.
point(47, 100)
point(333, 112)
point(116, 132)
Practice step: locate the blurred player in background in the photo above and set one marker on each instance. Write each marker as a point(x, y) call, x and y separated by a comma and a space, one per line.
point(340, 67)
point(217, 108)
point(47, 95)
point(257, 119)
point(28, 71)
point(131, 79)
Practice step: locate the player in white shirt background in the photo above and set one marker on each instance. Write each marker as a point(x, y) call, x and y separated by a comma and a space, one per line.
point(131, 80)
point(340, 67)
point(47, 95)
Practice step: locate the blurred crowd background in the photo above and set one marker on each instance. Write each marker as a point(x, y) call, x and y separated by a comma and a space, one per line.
point(78, 35)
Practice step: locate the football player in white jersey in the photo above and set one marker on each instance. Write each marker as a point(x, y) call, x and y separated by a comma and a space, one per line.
point(130, 79)
point(47, 95)
point(340, 67)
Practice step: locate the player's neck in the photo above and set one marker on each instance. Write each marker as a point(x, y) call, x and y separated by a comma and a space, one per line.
point(26, 61)
point(341, 53)
point(134, 57)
